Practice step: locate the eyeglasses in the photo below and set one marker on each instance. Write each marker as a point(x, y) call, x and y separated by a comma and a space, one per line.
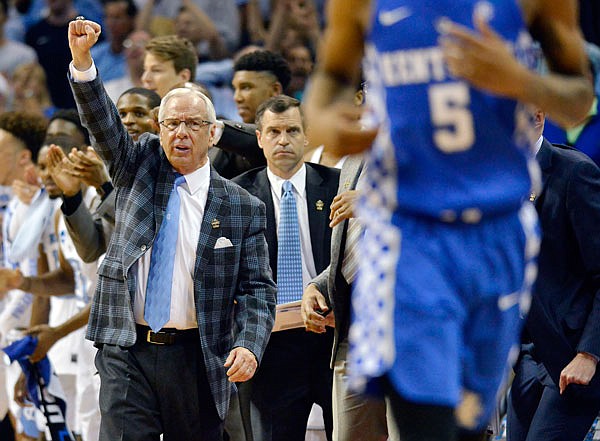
point(191, 124)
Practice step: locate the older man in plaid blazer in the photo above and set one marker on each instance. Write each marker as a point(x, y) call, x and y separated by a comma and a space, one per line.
point(175, 381)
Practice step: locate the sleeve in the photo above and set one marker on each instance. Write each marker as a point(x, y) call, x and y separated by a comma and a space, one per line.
point(107, 133)
point(80, 76)
point(240, 138)
point(256, 291)
point(321, 282)
point(87, 233)
point(583, 205)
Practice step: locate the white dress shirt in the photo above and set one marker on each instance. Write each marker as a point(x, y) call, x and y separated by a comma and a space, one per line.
point(299, 189)
point(193, 195)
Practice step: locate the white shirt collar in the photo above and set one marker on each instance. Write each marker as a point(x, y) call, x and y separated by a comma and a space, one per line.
point(538, 144)
point(298, 181)
point(199, 178)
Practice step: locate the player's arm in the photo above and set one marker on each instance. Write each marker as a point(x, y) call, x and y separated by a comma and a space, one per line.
point(483, 58)
point(332, 118)
point(40, 306)
point(566, 94)
point(53, 283)
point(47, 336)
point(58, 282)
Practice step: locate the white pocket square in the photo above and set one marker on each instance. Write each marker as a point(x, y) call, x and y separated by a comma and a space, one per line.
point(223, 242)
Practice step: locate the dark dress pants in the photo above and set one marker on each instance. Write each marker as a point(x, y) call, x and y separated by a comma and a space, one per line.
point(294, 374)
point(537, 411)
point(150, 389)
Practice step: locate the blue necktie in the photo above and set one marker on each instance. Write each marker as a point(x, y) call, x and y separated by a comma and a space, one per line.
point(157, 308)
point(289, 256)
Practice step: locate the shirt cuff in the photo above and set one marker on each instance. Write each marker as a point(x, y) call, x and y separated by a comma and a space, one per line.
point(83, 76)
point(595, 357)
point(105, 189)
point(71, 203)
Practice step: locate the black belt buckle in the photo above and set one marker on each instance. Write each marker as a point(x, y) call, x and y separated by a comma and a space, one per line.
point(151, 338)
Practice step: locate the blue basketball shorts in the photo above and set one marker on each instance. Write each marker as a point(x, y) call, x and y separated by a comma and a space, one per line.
point(461, 294)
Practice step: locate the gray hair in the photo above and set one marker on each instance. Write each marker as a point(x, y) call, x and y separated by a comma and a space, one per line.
point(210, 109)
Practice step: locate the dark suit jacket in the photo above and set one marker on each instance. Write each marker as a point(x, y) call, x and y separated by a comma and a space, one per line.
point(321, 185)
point(294, 352)
point(228, 287)
point(237, 151)
point(565, 313)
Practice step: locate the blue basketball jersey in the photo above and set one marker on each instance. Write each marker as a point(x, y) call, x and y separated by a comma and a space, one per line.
point(444, 148)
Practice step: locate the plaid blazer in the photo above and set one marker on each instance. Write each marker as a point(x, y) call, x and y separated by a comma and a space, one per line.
point(233, 286)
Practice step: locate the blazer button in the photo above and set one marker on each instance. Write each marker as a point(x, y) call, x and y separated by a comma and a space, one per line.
point(143, 247)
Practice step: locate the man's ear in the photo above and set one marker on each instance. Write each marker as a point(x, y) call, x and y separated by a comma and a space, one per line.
point(24, 157)
point(258, 138)
point(185, 75)
point(277, 88)
point(211, 135)
point(154, 115)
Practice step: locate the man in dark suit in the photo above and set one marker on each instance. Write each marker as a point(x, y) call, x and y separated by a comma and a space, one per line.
point(167, 370)
point(555, 395)
point(295, 369)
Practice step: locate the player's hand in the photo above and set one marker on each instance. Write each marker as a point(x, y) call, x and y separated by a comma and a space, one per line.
point(579, 371)
point(242, 365)
point(339, 129)
point(89, 167)
point(314, 310)
point(22, 397)
point(83, 35)
point(480, 56)
point(61, 170)
point(10, 279)
point(46, 336)
point(342, 207)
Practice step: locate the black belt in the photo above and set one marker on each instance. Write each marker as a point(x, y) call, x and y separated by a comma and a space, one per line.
point(166, 336)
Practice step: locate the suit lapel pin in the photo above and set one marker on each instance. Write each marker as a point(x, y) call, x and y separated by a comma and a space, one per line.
point(347, 184)
point(319, 205)
point(215, 223)
point(532, 197)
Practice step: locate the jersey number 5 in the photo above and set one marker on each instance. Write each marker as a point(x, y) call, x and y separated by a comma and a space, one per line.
point(451, 118)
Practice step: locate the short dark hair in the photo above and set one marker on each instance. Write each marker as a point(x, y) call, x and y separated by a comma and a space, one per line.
point(180, 51)
point(265, 61)
point(28, 127)
point(153, 97)
point(277, 104)
point(71, 115)
point(132, 9)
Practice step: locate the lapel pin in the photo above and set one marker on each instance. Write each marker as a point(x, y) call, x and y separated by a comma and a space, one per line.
point(215, 223)
point(320, 204)
point(347, 184)
point(532, 197)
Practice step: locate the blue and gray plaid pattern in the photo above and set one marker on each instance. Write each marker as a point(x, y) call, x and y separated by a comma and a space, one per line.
point(157, 308)
point(289, 253)
point(232, 284)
